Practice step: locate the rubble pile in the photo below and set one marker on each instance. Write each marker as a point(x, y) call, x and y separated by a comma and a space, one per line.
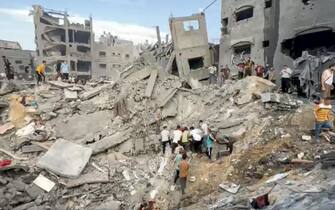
point(96, 146)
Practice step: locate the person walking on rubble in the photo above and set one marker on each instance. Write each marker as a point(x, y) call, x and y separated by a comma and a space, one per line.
point(65, 71)
point(286, 73)
point(40, 70)
point(177, 160)
point(165, 138)
point(196, 139)
point(209, 143)
point(204, 128)
point(248, 67)
point(183, 173)
point(212, 74)
point(327, 80)
point(323, 117)
point(185, 139)
point(176, 138)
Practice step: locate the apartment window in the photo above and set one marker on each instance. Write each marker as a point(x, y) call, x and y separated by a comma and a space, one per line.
point(196, 63)
point(18, 62)
point(102, 66)
point(191, 25)
point(244, 13)
point(119, 54)
point(245, 49)
point(127, 56)
point(224, 28)
point(113, 53)
point(21, 67)
point(102, 54)
point(268, 3)
point(266, 43)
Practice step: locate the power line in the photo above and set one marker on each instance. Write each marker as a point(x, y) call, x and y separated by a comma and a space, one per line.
point(209, 5)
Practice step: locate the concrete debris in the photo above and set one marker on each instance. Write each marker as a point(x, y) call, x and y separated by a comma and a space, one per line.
point(139, 75)
point(6, 128)
point(151, 83)
point(230, 187)
point(70, 95)
point(90, 178)
point(165, 96)
point(60, 84)
point(277, 177)
point(279, 101)
point(306, 138)
point(44, 183)
point(110, 141)
point(65, 158)
point(32, 148)
point(94, 92)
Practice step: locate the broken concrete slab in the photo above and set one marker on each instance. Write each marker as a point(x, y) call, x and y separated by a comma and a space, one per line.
point(170, 110)
point(247, 98)
point(151, 83)
point(90, 178)
point(139, 75)
point(44, 183)
point(165, 96)
point(65, 158)
point(70, 95)
point(94, 92)
point(60, 84)
point(110, 141)
point(6, 128)
point(230, 124)
point(110, 205)
point(33, 191)
point(31, 148)
point(230, 187)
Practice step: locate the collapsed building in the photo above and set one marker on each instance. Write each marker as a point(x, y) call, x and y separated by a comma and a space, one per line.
point(276, 32)
point(21, 60)
point(191, 53)
point(57, 39)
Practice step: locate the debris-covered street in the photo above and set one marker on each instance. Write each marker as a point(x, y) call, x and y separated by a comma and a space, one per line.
point(182, 124)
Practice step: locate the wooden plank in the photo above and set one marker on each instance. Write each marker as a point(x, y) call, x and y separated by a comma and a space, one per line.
point(151, 83)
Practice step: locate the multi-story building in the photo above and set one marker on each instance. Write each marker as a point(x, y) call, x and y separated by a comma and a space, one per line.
point(111, 55)
point(57, 40)
point(191, 49)
point(21, 60)
point(275, 31)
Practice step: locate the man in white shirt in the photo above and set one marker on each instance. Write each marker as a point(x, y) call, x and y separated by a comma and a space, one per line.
point(165, 138)
point(327, 80)
point(176, 138)
point(196, 139)
point(286, 74)
point(64, 70)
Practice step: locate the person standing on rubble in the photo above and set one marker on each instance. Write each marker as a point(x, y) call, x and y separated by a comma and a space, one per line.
point(322, 115)
point(221, 76)
point(64, 69)
point(185, 139)
point(58, 68)
point(286, 73)
point(259, 71)
point(40, 70)
point(212, 74)
point(272, 75)
point(209, 143)
point(176, 138)
point(177, 160)
point(183, 173)
point(196, 139)
point(165, 138)
point(204, 128)
point(327, 80)
point(248, 67)
point(240, 68)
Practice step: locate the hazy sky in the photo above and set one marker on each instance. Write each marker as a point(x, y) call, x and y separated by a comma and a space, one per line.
point(129, 19)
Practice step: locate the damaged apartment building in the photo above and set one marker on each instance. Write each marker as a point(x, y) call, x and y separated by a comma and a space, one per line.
point(58, 39)
point(191, 53)
point(21, 61)
point(275, 32)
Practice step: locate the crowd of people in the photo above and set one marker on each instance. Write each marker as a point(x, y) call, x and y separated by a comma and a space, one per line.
point(184, 140)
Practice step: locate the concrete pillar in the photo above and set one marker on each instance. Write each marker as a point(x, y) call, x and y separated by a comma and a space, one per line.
point(167, 38)
point(159, 40)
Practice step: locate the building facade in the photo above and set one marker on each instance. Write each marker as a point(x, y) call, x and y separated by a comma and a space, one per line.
point(274, 31)
point(21, 60)
point(191, 49)
point(111, 55)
